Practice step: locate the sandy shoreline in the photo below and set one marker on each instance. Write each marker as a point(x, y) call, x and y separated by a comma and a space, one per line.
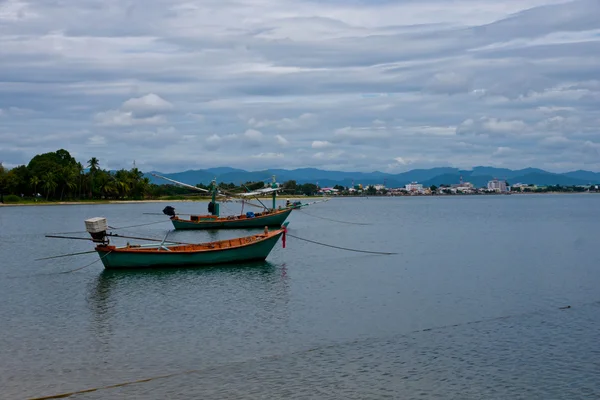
point(75, 203)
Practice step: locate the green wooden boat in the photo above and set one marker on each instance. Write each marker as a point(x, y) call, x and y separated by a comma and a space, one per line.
point(254, 220)
point(269, 217)
point(274, 216)
point(241, 249)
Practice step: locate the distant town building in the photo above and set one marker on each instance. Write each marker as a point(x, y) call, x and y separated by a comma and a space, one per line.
point(524, 187)
point(414, 187)
point(328, 190)
point(379, 187)
point(463, 185)
point(497, 185)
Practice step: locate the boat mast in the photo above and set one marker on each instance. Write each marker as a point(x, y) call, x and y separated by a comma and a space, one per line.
point(274, 186)
point(215, 210)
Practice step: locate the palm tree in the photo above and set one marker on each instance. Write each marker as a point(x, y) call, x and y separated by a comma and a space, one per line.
point(123, 183)
point(80, 172)
point(49, 183)
point(93, 163)
point(69, 179)
point(144, 186)
point(2, 182)
point(34, 181)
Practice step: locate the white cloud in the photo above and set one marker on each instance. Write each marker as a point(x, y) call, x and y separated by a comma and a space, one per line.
point(491, 126)
point(556, 142)
point(400, 161)
point(120, 118)
point(97, 140)
point(15, 112)
point(281, 141)
point(303, 121)
point(320, 144)
point(145, 110)
point(215, 141)
point(252, 137)
point(148, 105)
point(268, 155)
point(329, 155)
point(502, 152)
point(448, 82)
point(196, 117)
point(362, 135)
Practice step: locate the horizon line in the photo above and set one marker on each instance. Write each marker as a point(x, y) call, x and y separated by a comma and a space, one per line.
point(457, 169)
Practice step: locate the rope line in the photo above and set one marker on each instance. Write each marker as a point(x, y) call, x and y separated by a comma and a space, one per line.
point(61, 272)
point(304, 351)
point(334, 220)
point(85, 266)
point(338, 247)
point(65, 255)
point(135, 226)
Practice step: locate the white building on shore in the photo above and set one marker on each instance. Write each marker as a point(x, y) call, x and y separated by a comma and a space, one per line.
point(497, 185)
point(414, 187)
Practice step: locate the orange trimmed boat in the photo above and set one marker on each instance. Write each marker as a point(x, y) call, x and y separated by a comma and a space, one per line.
point(248, 220)
point(168, 254)
point(269, 217)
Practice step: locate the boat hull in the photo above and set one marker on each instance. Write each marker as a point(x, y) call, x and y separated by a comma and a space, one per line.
point(118, 259)
point(274, 219)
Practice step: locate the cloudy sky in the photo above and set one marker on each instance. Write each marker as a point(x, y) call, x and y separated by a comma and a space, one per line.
point(336, 84)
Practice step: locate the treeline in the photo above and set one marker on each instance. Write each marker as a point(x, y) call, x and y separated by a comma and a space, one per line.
point(57, 176)
point(310, 189)
point(555, 188)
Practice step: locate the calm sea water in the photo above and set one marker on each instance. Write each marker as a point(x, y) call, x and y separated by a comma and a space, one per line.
point(469, 308)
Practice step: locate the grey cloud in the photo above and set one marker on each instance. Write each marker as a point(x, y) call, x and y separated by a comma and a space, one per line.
point(448, 82)
point(528, 82)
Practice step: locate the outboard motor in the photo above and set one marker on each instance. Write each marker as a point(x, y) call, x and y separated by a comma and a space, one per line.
point(97, 228)
point(170, 211)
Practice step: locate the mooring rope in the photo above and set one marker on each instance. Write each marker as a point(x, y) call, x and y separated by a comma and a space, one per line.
point(333, 220)
point(85, 266)
point(60, 272)
point(135, 226)
point(65, 255)
point(304, 351)
point(338, 247)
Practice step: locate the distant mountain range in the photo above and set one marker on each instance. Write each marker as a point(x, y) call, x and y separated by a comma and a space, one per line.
point(478, 176)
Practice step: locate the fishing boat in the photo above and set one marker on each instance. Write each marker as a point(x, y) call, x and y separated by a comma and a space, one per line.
point(248, 220)
point(274, 216)
point(176, 254)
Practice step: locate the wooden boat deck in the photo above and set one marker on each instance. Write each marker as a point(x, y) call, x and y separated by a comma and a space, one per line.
point(194, 248)
point(229, 218)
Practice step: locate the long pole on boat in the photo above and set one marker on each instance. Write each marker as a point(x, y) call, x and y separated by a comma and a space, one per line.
point(118, 236)
point(214, 198)
point(163, 242)
point(274, 186)
point(257, 199)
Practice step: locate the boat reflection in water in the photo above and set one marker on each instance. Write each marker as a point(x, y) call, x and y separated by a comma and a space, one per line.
point(117, 298)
